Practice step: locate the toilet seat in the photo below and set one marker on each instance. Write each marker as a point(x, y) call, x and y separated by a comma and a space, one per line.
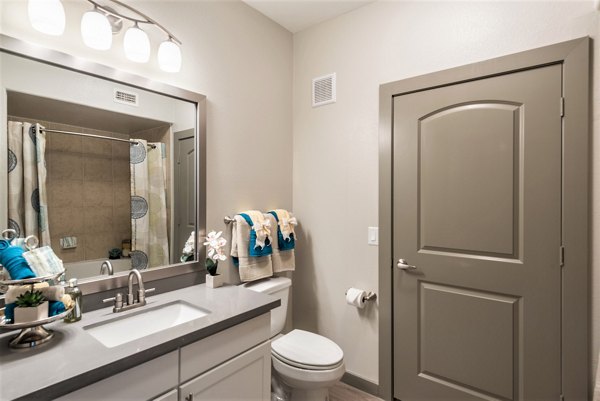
point(308, 351)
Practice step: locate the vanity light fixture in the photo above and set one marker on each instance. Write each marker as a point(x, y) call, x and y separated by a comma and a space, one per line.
point(47, 16)
point(96, 30)
point(98, 26)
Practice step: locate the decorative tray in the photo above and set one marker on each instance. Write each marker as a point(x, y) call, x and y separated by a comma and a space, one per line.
point(33, 280)
point(17, 326)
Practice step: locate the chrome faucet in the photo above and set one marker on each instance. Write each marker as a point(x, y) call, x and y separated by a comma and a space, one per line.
point(106, 265)
point(131, 302)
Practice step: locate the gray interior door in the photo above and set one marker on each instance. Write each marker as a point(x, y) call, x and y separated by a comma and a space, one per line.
point(184, 189)
point(477, 212)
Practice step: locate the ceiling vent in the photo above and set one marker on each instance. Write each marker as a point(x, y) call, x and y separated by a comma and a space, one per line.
point(124, 97)
point(323, 90)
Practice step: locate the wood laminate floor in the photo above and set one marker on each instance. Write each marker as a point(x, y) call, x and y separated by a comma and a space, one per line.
point(344, 392)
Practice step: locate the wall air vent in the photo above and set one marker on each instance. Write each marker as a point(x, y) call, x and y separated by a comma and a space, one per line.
point(125, 97)
point(323, 90)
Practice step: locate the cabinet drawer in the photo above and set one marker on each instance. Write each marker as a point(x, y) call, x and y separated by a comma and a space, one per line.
point(204, 354)
point(140, 383)
point(245, 377)
point(170, 396)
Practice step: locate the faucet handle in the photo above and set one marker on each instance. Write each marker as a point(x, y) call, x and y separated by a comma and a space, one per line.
point(142, 294)
point(118, 299)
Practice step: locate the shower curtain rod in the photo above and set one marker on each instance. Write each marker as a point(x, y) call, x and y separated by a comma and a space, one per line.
point(93, 136)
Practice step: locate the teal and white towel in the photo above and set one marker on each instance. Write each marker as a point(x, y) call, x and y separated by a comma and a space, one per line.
point(283, 260)
point(250, 267)
point(44, 262)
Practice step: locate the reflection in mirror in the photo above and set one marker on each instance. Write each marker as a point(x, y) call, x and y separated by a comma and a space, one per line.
point(96, 169)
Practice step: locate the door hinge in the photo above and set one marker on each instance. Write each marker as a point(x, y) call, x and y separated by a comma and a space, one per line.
point(562, 106)
point(562, 256)
point(561, 398)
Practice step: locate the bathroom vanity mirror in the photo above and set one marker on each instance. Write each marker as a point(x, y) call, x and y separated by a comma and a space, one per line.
point(102, 165)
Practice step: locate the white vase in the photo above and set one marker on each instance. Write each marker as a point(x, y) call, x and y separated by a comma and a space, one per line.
point(25, 315)
point(214, 281)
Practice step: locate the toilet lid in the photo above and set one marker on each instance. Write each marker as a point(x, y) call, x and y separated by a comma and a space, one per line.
point(307, 350)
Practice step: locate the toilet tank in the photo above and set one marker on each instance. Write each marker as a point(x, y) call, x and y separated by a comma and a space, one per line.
point(278, 287)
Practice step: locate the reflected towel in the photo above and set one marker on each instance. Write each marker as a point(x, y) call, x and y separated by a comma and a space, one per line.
point(43, 261)
point(283, 260)
point(250, 268)
point(11, 257)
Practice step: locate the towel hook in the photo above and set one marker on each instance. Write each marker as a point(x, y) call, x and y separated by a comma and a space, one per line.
point(228, 220)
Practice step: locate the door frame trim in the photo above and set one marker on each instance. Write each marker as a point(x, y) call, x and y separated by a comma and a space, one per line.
point(574, 55)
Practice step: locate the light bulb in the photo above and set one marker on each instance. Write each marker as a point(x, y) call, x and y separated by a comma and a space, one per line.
point(47, 16)
point(136, 45)
point(169, 56)
point(96, 31)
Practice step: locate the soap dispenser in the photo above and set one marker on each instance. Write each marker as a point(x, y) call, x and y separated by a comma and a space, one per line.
point(75, 294)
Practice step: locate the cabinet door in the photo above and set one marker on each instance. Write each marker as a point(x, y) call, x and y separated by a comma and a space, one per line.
point(245, 377)
point(140, 383)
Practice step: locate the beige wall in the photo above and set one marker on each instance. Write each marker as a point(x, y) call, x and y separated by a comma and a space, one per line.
point(241, 61)
point(336, 146)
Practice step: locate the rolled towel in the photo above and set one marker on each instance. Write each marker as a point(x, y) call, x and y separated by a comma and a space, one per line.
point(9, 313)
point(54, 293)
point(11, 257)
point(43, 261)
point(67, 301)
point(55, 308)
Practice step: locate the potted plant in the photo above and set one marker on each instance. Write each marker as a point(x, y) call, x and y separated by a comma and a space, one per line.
point(214, 244)
point(31, 306)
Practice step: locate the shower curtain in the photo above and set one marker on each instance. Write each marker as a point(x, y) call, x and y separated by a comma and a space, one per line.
point(27, 192)
point(149, 242)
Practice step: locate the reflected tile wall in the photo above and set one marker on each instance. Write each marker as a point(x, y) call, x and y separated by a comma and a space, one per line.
point(89, 193)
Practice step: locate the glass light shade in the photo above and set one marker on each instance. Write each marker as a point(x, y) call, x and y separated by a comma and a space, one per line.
point(47, 16)
point(136, 45)
point(169, 56)
point(96, 31)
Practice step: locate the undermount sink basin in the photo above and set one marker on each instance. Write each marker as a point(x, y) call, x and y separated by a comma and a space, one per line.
point(147, 320)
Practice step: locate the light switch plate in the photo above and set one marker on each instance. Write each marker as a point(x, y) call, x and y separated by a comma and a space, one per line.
point(373, 236)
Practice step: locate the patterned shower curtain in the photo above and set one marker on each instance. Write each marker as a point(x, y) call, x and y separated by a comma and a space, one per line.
point(27, 192)
point(149, 242)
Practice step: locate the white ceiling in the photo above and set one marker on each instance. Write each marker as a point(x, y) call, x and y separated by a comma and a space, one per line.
point(296, 15)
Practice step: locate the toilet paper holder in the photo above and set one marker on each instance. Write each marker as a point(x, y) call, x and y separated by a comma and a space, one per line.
point(371, 296)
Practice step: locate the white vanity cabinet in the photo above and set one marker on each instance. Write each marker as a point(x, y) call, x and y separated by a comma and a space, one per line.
point(233, 364)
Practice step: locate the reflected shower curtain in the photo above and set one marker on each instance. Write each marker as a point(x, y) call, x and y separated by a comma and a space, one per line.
point(27, 192)
point(149, 241)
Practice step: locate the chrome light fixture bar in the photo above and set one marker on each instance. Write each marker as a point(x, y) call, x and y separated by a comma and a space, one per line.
point(99, 24)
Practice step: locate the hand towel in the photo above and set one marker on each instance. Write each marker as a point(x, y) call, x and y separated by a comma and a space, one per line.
point(260, 235)
point(283, 260)
point(250, 268)
point(285, 229)
point(44, 262)
point(54, 293)
point(11, 257)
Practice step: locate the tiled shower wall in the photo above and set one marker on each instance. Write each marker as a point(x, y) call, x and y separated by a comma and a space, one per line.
point(88, 191)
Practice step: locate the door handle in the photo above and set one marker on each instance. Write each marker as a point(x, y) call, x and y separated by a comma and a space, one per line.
point(402, 265)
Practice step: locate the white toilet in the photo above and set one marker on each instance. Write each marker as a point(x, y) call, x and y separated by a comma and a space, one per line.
point(307, 362)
